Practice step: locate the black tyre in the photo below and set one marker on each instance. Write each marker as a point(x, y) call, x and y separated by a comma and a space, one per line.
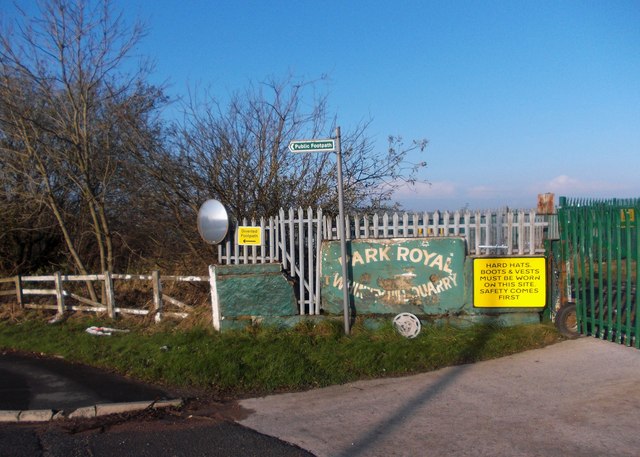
point(567, 321)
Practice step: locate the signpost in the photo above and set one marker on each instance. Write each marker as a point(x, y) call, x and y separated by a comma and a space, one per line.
point(328, 145)
point(331, 145)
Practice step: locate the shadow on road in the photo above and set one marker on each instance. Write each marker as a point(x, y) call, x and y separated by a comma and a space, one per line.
point(368, 441)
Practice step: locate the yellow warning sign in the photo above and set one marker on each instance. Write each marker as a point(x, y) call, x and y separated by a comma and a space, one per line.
point(249, 236)
point(509, 282)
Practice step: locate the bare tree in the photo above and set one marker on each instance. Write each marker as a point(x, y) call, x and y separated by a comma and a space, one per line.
point(71, 118)
point(238, 153)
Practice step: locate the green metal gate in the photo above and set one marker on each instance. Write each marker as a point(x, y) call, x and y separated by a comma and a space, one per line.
point(600, 252)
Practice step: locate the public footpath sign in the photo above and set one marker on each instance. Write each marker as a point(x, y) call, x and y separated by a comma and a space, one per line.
point(328, 145)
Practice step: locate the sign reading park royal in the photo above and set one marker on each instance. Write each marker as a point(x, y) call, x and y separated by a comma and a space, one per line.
point(390, 276)
point(509, 282)
point(328, 145)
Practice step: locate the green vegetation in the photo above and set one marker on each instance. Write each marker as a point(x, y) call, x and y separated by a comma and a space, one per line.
point(263, 360)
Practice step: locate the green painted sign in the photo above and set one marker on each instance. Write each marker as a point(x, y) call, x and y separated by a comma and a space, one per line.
point(390, 276)
point(327, 145)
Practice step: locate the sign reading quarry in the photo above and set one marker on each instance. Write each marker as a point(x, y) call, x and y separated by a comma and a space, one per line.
point(418, 275)
point(509, 282)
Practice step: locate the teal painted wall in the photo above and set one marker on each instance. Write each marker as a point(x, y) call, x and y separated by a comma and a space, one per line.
point(416, 275)
point(428, 276)
point(254, 290)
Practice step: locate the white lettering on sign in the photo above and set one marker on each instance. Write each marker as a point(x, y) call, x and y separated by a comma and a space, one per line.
point(403, 254)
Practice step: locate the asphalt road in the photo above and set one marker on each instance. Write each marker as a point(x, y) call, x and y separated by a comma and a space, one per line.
point(203, 427)
point(575, 398)
point(141, 437)
point(30, 383)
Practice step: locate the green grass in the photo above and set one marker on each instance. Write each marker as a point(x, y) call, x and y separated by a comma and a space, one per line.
point(265, 360)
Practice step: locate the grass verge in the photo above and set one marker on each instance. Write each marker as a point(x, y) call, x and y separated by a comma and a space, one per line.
point(264, 360)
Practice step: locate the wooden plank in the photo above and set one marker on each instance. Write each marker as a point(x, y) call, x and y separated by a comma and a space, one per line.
point(157, 296)
point(90, 309)
point(138, 312)
point(245, 249)
point(38, 306)
point(509, 229)
point(86, 301)
point(301, 267)
point(215, 306)
point(176, 302)
point(478, 234)
point(310, 258)
point(283, 240)
point(132, 277)
point(532, 232)
point(83, 277)
point(19, 296)
point(185, 278)
point(38, 278)
point(318, 259)
point(39, 291)
point(292, 245)
point(273, 239)
point(59, 292)
point(109, 295)
point(175, 314)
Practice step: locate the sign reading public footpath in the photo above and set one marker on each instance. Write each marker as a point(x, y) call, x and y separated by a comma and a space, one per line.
point(509, 282)
point(390, 276)
point(328, 145)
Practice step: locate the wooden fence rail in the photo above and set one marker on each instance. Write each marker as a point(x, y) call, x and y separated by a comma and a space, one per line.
point(109, 306)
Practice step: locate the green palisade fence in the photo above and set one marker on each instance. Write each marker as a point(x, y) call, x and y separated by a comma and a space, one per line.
point(600, 252)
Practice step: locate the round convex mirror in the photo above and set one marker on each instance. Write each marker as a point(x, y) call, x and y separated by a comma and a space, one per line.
point(213, 221)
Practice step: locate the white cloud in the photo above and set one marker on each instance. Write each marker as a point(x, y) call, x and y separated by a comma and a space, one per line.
point(570, 186)
point(564, 184)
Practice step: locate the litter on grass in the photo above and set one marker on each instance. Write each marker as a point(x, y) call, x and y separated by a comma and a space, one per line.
point(104, 331)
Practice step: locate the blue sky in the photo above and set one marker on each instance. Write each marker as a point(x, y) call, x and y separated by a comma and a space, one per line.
point(516, 98)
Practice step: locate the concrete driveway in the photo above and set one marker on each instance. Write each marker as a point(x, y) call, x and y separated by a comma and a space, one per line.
point(575, 398)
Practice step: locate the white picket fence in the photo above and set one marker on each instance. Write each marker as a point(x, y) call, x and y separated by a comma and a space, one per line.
point(294, 238)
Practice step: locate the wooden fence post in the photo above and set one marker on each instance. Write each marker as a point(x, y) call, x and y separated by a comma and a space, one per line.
point(215, 306)
point(157, 295)
point(19, 296)
point(59, 292)
point(110, 296)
